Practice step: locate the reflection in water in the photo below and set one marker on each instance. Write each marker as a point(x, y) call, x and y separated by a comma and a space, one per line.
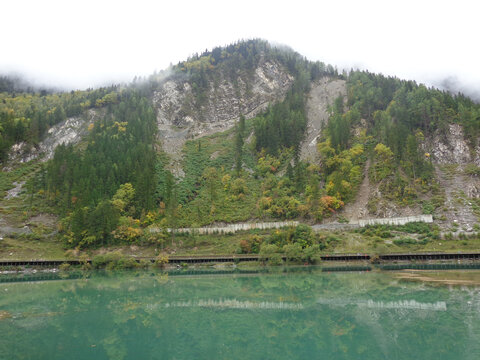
point(281, 315)
point(402, 304)
point(236, 304)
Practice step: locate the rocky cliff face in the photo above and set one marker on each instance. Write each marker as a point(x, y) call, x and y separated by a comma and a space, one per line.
point(450, 147)
point(322, 95)
point(180, 115)
point(70, 131)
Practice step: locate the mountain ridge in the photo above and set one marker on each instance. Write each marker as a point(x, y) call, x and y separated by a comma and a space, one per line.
point(244, 132)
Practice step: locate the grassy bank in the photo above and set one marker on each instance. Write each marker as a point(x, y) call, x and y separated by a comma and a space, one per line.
point(371, 240)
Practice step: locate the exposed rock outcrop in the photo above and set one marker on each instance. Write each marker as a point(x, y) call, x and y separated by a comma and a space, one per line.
point(180, 115)
point(70, 131)
point(450, 147)
point(322, 95)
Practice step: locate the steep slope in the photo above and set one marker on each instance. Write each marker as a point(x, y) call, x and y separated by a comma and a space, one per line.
point(357, 209)
point(69, 131)
point(419, 148)
point(180, 117)
point(452, 156)
point(368, 146)
point(461, 192)
point(449, 146)
point(322, 95)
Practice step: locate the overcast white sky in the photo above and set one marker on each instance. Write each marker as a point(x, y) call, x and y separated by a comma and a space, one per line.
point(78, 44)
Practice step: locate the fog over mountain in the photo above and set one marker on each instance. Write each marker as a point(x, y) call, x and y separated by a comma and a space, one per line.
point(454, 85)
point(88, 44)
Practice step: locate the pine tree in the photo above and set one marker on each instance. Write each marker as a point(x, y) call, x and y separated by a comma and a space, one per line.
point(239, 141)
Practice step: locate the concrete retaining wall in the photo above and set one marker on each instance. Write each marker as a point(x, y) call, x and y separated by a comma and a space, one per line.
point(233, 228)
point(396, 220)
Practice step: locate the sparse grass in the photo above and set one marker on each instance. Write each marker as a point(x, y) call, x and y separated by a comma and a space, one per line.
point(216, 151)
point(472, 170)
point(212, 244)
point(19, 173)
point(28, 247)
point(19, 211)
point(449, 170)
point(356, 243)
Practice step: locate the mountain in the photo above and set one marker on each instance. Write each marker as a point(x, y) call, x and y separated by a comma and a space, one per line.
point(246, 132)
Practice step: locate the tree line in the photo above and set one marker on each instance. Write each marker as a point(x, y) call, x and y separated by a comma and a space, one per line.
point(113, 176)
point(27, 116)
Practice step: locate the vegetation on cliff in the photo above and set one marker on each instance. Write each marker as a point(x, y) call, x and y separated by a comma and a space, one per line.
point(117, 182)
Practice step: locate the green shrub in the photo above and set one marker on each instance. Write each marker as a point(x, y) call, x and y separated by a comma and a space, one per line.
point(302, 235)
point(275, 260)
point(385, 234)
point(332, 240)
point(99, 262)
point(415, 228)
point(270, 253)
point(251, 245)
point(161, 260)
point(448, 236)
point(293, 252)
point(311, 254)
point(144, 264)
point(372, 205)
point(64, 267)
point(428, 207)
point(127, 263)
point(405, 241)
point(113, 261)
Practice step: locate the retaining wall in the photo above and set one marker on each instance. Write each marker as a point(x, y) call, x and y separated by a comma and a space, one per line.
point(396, 220)
point(232, 228)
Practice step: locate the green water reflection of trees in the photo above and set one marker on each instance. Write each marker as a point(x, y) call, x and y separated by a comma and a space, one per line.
point(276, 315)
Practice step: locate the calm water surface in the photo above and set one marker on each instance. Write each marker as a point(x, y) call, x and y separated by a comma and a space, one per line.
point(277, 315)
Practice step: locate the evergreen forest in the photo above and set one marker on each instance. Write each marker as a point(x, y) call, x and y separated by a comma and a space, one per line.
point(117, 184)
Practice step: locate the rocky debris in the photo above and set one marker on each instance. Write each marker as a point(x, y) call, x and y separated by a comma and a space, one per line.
point(66, 132)
point(450, 147)
point(5, 315)
point(472, 189)
point(389, 209)
point(44, 219)
point(70, 131)
point(358, 209)
point(13, 193)
point(322, 95)
point(6, 230)
point(179, 118)
point(457, 210)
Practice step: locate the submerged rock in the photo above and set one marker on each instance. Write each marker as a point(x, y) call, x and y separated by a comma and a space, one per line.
point(5, 315)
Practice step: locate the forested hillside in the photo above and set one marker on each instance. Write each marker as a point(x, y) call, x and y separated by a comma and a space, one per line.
point(25, 117)
point(217, 139)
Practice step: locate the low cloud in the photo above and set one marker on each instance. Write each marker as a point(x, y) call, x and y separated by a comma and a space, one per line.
point(454, 85)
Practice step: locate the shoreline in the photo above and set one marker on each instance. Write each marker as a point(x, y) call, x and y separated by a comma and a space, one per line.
point(402, 267)
point(236, 258)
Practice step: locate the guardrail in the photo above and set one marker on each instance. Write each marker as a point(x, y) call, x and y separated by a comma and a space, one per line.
point(254, 257)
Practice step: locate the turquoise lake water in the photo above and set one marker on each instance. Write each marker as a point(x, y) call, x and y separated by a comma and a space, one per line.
point(297, 314)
